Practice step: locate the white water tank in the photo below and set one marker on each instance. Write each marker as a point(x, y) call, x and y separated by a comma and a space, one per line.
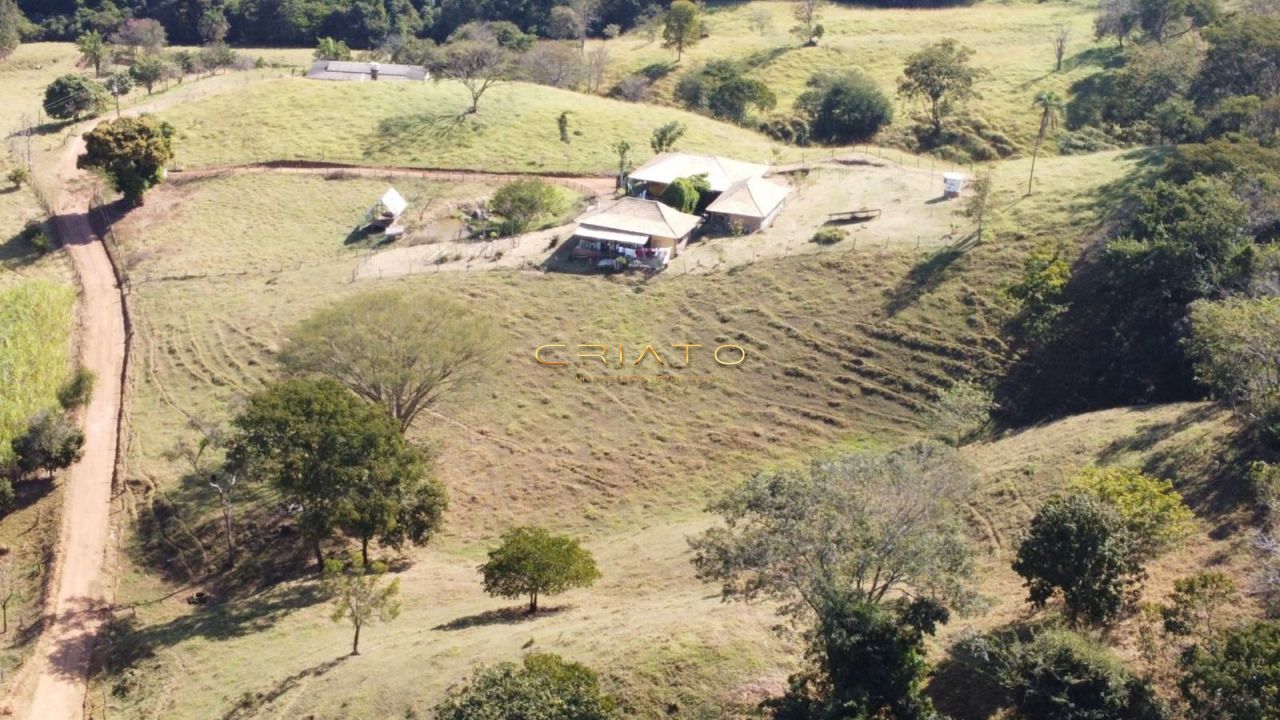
point(952, 184)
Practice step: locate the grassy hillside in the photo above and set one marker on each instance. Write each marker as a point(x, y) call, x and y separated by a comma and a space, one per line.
point(1011, 39)
point(846, 349)
point(426, 125)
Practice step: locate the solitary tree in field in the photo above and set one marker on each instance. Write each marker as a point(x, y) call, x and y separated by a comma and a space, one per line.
point(1050, 106)
point(666, 136)
point(940, 76)
point(622, 148)
point(808, 14)
point(979, 205)
point(359, 595)
point(478, 65)
point(1061, 37)
point(70, 96)
point(681, 27)
point(531, 562)
point(131, 152)
point(401, 353)
point(93, 50)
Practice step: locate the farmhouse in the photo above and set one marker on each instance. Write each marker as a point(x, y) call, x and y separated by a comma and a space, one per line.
point(360, 71)
point(750, 205)
point(721, 172)
point(633, 230)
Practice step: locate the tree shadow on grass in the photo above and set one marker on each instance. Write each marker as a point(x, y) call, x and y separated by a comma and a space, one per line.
point(132, 642)
point(501, 616)
point(398, 131)
point(18, 251)
point(926, 276)
point(251, 702)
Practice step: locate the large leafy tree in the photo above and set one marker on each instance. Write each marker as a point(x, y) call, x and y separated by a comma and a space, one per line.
point(1243, 59)
point(1077, 547)
point(401, 353)
point(70, 96)
point(940, 77)
point(523, 202)
point(542, 687)
point(341, 461)
point(531, 562)
point(845, 107)
point(131, 152)
point(873, 523)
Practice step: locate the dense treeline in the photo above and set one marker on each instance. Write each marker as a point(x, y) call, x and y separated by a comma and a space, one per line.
point(1118, 327)
point(360, 23)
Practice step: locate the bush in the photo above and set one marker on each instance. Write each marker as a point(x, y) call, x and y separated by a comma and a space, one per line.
point(523, 202)
point(1238, 678)
point(1151, 510)
point(686, 194)
point(1077, 547)
point(790, 129)
point(542, 687)
point(632, 88)
point(76, 392)
point(829, 236)
point(18, 177)
point(722, 89)
point(50, 443)
point(846, 107)
point(1062, 675)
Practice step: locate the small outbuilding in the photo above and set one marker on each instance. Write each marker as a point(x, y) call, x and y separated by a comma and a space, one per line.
point(386, 212)
point(751, 204)
point(347, 70)
point(952, 184)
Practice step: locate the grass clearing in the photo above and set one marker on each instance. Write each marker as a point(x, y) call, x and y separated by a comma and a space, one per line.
point(425, 125)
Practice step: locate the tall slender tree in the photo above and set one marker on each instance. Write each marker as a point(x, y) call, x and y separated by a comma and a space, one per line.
point(93, 50)
point(1050, 106)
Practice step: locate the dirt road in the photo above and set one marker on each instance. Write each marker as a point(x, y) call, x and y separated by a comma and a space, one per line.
point(55, 682)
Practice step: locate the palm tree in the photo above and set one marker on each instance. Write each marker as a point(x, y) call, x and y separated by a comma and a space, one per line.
point(1050, 108)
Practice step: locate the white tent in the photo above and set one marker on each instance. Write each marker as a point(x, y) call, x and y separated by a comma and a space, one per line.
point(393, 202)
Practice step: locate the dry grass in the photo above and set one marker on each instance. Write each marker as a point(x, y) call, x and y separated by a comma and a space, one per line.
point(846, 348)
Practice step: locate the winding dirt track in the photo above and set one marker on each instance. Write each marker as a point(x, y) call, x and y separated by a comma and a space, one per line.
point(54, 688)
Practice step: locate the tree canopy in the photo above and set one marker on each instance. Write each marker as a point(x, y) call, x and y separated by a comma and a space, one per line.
point(871, 522)
point(131, 152)
point(543, 686)
point(941, 78)
point(399, 352)
point(844, 107)
point(71, 96)
point(340, 460)
point(531, 562)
